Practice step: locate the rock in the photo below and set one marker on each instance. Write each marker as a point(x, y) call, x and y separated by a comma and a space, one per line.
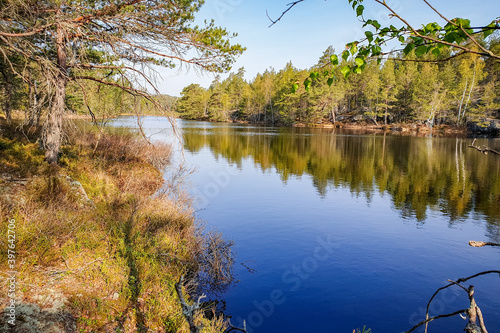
point(358, 118)
point(31, 318)
point(78, 189)
point(486, 126)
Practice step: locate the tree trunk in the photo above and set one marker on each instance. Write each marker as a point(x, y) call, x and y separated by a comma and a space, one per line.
point(470, 91)
point(385, 114)
point(53, 131)
point(8, 99)
point(34, 105)
point(461, 103)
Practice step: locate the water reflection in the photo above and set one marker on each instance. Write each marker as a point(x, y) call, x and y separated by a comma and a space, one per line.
point(440, 174)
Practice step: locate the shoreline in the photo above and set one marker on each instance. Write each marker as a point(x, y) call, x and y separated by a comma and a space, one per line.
point(98, 242)
point(472, 129)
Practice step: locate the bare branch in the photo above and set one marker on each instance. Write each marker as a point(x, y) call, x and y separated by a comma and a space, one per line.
point(234, 328)
point(189, 311)
point(26, 34)
point(428, 320)
point(485, 150)
point(290, 6)
point(451, 284)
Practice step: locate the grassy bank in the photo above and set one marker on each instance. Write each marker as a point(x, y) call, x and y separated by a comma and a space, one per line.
point(98, 244)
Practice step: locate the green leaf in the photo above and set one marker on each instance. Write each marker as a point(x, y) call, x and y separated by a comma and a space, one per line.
point(375, 24)
point(363, 52)
point(307, 84)
point(384, 31)
point(436, 51)
point(359, 61)
point(408, 48)
point(334, 60)
point(345, 55)
point(346, 70)
point(295, 87)
point(401, 39)
point(354, 49)
point(314, 75)
point(449, 27)
point(359, 10)
point(369, 36)
point(431, 27)
point(358, 70)
point(488, 30)
point(376, 50)
point(330, 81)
point(452, 37)
point(465, 23)
point(421, 50)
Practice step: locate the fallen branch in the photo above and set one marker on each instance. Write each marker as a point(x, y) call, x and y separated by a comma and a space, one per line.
point(234, 328)
point(475, 315)
point(473, 312)
point(189, 311)
point(481, 244)
point(428, 320)
point(483, 149)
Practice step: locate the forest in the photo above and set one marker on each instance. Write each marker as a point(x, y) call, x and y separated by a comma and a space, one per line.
point(401, 89)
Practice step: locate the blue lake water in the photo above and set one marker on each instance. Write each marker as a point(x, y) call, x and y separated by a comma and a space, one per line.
point(334, 230)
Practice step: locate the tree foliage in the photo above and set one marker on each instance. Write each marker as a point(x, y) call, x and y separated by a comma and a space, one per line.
point(398, 90)
point(452, 38)
point(113, 43)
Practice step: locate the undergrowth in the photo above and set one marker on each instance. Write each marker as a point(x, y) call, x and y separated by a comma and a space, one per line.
point(95, 231)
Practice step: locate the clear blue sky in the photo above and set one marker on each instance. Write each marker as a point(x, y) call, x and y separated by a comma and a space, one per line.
point(307, 30)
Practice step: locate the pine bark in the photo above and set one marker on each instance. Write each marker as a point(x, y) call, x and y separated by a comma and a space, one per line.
point(53, 131)
point(9, 95)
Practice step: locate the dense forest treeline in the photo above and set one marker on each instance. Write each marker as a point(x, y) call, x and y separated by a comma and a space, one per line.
point(398, 90)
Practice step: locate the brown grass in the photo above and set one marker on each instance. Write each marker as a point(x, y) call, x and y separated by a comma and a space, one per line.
point(112, 263)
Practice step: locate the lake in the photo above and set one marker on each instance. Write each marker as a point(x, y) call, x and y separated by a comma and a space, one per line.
point(334, 230)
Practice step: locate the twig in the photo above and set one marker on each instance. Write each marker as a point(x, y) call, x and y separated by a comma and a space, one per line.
point(434, 318)
point(188, 311)
point(234, 328)
point(485, 150)
point(426, 321)
point(290, 6)
point(481, 244)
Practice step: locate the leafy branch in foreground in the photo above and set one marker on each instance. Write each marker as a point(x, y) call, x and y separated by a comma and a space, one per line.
point(455, 38)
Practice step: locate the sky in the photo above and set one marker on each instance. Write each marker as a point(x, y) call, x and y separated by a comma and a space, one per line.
point(306, 31)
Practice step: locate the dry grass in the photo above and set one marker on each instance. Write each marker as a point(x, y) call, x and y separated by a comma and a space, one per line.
point(113, 263)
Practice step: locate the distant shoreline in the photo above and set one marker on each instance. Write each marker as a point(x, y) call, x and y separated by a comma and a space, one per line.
point(402, 129)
